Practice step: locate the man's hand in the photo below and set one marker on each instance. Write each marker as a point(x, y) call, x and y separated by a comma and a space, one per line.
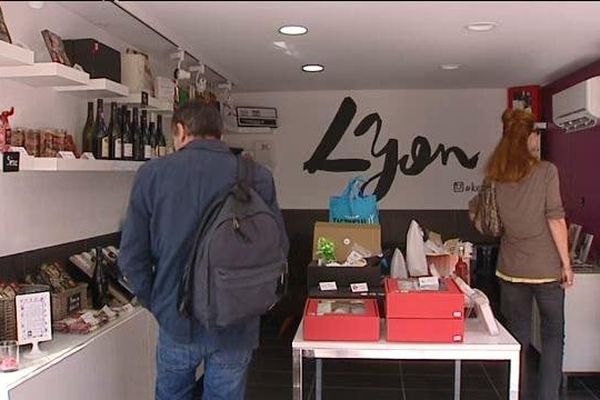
point(567, 277)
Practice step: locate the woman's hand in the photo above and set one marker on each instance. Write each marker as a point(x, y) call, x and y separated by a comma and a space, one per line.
point(567, 277)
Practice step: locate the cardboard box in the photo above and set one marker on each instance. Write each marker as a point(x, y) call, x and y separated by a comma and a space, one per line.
point(334, 325)
point(425, 330)
point(426, 304)
point(345, 235)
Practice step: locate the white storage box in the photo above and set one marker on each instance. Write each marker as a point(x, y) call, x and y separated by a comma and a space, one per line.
point(136, 73)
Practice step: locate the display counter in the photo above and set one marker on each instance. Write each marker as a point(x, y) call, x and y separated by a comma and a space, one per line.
point(114, 362)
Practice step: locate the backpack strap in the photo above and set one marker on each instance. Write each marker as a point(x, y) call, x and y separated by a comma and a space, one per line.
point(245, 173)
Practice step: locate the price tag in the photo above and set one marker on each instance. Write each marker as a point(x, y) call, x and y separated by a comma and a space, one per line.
point(21, 150)
point(10, 161)
point(109, 313)
point(359, 287)
point(429, 282)
point(89, 318)
point(327, 286)
point(88, 156)
point(67, 155)
point(128, 307)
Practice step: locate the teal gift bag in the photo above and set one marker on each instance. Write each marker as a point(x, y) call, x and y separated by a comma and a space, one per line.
point(353, 206)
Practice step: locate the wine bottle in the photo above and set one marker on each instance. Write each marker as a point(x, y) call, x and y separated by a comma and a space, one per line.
point(101, 143)
point(87, 135)
point(152, 137)
point(99, 284)
point(114, 129)
point(147, 154)
point(138, 140)
point(162, 143)
point(127, 134)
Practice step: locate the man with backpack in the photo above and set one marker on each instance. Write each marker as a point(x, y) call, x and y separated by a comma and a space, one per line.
point(203, 246)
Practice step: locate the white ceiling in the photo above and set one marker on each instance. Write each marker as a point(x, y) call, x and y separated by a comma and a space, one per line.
point(385, 45)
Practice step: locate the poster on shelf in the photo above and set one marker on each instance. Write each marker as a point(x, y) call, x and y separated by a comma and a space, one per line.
point(33, 317)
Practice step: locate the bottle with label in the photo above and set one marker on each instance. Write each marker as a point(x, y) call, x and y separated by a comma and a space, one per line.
point(101, 143)
point(162, 143)
point(138, 140)
point(87, 135)
point(99, 283)
point(152, 137)
point(127, 135)
point(461, 269)
point(114, 131)
point(145, 136)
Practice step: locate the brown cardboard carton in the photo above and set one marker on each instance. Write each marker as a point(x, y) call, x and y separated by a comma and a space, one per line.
point(345, 235)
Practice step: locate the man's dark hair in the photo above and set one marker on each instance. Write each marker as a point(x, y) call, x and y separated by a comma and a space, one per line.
point(200, 119)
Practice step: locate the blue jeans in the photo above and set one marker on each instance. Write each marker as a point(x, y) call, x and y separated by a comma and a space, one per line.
point(517, 299)
point(224, 371)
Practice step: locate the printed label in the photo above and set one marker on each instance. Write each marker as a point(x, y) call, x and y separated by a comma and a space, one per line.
point(105, 147)
point(128, 150)
point(147, 151)
point(162, 151)
point(359, 287)
point(327, 286)
point(118, 147)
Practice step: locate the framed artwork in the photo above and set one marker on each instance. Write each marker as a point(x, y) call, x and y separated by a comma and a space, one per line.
point(526, 98)
point(574, 233)
point(56, 48)
point(584, 250)
point(4, 34)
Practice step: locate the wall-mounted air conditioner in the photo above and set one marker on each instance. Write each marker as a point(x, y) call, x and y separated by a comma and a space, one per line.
point(577, 107)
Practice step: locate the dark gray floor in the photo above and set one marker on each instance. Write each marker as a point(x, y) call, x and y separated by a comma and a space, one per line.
point(270, 377)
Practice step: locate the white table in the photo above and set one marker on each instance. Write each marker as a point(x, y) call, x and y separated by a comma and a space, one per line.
point(477, 345)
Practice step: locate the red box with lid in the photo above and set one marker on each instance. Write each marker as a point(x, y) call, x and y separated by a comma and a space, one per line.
point(335, 325)
point(424, 315)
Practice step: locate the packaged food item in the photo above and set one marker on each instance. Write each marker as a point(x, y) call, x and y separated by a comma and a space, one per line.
point(5, 131)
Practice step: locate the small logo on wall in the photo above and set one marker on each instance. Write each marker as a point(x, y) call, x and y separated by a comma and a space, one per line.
point(411, 164)
point(462, 187)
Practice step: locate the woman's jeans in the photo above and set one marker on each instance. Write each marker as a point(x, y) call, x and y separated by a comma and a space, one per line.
point(224, 371)
point(516, 302)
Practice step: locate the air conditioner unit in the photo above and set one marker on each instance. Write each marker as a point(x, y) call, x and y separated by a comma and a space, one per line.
point(577, 107)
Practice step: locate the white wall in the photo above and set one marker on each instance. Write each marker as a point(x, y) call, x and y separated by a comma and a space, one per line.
point(48, 208)
point(469, 119)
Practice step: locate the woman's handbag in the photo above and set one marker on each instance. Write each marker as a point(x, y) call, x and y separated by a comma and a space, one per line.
point(353, 206)
point(483, 210)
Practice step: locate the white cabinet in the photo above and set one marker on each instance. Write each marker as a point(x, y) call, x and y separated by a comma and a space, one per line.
point(582, 324)
point(116, 362)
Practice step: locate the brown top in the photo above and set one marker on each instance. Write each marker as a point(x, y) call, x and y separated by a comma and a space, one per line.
point(527, 249)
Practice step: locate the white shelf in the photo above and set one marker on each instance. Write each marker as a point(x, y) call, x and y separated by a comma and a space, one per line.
point(11, 55)
point(251, 130)
point(154, 104)
point(96, 88)
point(45, 75)
point(59, 164)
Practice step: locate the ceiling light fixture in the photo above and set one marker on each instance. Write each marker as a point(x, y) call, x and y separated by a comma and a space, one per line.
point(313, 68)
point(481, 26)
point(293, 30)
point(36, 5)
point(450, 67)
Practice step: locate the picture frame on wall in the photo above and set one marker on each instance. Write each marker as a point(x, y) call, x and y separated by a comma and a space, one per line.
point(4, 33)
point(584, 249)
point(56, 48)
point(526, 98)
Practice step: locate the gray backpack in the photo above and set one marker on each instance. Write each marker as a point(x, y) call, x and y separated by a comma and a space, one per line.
point(237, 265)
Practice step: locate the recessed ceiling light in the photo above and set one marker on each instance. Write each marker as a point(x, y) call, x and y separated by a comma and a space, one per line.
point(293, 30)
point(37, 5)
point(313, 68)
point(450, 67)
point(481, 26)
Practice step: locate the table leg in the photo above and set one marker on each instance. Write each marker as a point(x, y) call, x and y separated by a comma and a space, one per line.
point(513, 383)
point(457, 376)
point(318, 378)
point(297, 374)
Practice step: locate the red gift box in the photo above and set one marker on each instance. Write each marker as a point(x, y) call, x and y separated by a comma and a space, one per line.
point(343, 319)
point(424, 315)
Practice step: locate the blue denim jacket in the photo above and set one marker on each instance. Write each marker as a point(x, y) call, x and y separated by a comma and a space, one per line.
point(168, 197)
